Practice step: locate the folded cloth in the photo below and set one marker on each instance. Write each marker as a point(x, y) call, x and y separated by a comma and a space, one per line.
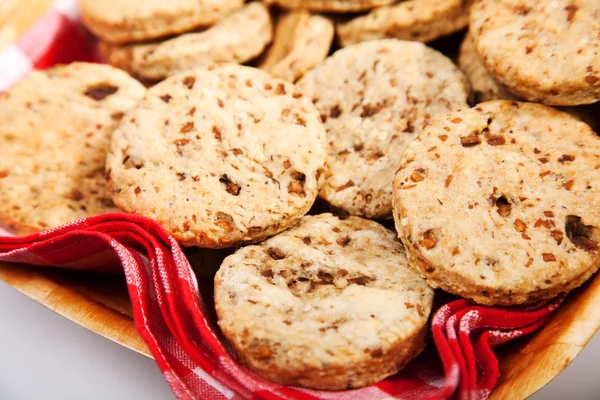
point(176, 318)
point(57, 37)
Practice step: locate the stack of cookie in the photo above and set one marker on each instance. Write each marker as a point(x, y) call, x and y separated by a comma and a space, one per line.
point(153, 40)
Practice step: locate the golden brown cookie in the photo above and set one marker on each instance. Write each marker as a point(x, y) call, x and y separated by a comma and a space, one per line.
point(508, 212)
point(329, 304)
point(220, 156)
point(420, 20)
point(335, 6)
point(375, 97)
point(302, 40)
point(544, 51)
point(126, 21)
point(238, 37)
point(55, 132)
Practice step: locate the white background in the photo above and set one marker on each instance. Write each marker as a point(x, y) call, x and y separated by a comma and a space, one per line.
point(46, 357)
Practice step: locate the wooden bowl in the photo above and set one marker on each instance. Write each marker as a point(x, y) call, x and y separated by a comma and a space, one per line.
point(101, 304)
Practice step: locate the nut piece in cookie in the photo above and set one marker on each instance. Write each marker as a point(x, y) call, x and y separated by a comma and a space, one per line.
point(508, 214)
point(219, 156)
point(544, 51)
point(238, 37)
point(329, 304)
point(55, 132)
point(375, 98)
point(302, 40)
point(126, 21)
point(420, 20)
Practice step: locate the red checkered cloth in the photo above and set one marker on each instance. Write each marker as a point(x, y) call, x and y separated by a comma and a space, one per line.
point(175, 315)
point(176, 318)
point(57, 37)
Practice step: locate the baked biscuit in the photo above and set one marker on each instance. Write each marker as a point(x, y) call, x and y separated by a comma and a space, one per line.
point(126, 21)
point(329, 304)
point(219, 156)
point(375, 98)
point(302, 40)
point(483, 84)
point(55, 132)
point(508, 213)
point(544, 51)
point(486, 88)
point(420, 20)
point(238, 37)
point(335, 6)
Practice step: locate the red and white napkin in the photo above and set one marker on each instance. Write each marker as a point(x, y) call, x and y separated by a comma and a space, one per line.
point(174, 313)
point(57, 37)
point(176, 318)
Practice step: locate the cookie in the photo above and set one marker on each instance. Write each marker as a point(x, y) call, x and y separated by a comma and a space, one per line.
point(420, 20)
point(126, 21)
point(483, 84)
point(56, 129)
point(336, 6)
point(302, 40)
point(329, 304)
point(238, 37)
point(508, 212)
point(219, 156)
point(546, 51)
point(375, 98)
point(485, 87)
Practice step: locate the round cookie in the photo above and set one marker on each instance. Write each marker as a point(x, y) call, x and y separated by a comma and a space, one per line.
point(336, 6)
point(419, 20)
point(302, 40)
point(486, 88)
point(238, 37)
point(545, 51)
point(329, 304)
point(508, 214)
point(375, 98)
point(483, 84)
point(56, 129)
point(219, 156)
point(126, 21)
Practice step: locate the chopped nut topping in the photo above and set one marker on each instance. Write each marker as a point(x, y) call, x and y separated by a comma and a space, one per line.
point(429, 240)
point(496, 140)
point(187, 127)
point(520, 226)
point(231, 187)
point(101, 91)
point(470, 141)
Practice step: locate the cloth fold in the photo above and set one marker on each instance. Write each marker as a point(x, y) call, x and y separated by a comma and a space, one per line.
point(175, 317)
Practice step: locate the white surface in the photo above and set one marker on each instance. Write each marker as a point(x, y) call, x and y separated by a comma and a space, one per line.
point(44, 356)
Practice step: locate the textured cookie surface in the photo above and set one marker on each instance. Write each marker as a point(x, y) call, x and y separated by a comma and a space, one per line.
point(331, 5)
point(302, 40)
point(55, 129)
point(420, 20)
point(508, 213)
point(375, 98)
point(238, 37)
point(219, 156)
point(124, 21)
point(483, 84)
point(485, 87)
point(328, 304)
point(544, 51)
